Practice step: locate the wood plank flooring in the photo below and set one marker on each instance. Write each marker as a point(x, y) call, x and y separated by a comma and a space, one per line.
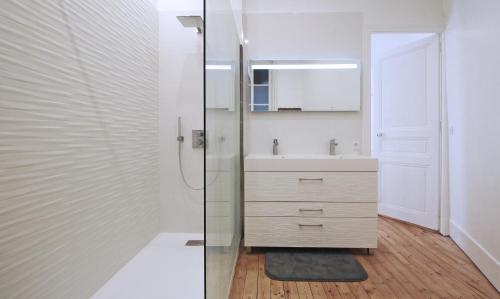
point(410, 262)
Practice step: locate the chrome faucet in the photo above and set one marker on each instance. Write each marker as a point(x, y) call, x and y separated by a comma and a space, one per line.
point(333, 145)
point(275, 147)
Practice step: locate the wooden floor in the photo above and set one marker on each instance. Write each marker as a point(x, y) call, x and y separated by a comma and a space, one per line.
point(410, 263)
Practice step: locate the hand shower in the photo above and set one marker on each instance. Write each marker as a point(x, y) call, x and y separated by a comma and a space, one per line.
point(180, 140)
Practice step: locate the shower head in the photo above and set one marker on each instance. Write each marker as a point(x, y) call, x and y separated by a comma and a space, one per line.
point(192, 22)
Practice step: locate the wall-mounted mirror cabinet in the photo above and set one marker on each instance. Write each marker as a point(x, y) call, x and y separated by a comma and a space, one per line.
point(304, 86)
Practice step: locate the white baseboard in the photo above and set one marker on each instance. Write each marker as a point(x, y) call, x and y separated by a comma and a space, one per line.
point(480, 256)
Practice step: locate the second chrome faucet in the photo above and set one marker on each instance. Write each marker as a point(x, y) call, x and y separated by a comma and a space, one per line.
point(333, 146)
point(275, 147)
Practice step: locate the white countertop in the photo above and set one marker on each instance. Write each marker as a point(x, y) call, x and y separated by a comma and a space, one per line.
point(292, 162)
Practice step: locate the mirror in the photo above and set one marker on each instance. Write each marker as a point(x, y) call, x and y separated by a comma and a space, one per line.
point(305, 86)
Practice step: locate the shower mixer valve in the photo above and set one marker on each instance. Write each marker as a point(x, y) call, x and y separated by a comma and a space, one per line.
point(198, 138)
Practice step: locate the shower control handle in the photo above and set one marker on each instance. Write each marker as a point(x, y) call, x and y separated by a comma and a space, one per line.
point(198, 138)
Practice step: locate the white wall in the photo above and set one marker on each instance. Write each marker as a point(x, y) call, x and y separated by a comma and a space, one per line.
point(181, 94)
point(384, 43)
point(303, 36)
point(324, 29)
point(237, 7)
point(79, 144)
point(376, 12)
point(473, 88)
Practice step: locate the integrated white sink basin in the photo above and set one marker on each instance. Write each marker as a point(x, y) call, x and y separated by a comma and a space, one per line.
point(295, 157)
point(310, 163)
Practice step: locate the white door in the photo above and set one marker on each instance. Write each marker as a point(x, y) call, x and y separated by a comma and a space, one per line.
point(406, 119)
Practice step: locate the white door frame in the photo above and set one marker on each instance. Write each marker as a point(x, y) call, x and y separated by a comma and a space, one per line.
point(443, 198)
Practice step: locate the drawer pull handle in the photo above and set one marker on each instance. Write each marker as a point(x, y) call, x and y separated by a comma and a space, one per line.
point(310, 225)
point(311, 210)
point(306, 179)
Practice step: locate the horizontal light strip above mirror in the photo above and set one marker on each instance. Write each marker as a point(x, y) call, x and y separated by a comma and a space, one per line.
point(218, 67)
point(336, 66)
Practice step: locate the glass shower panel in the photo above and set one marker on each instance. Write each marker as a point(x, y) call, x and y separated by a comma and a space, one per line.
point(222, 125)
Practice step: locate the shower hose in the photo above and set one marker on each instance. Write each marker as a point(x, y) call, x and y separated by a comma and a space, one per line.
point(181, 170)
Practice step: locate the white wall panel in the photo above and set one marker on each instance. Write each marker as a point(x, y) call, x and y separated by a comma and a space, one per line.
point(79, 149)
point(473, 88)
point(181, 95)
point(303, 36)
point(324, 29)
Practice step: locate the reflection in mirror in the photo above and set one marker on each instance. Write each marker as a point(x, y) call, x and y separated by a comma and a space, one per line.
point(304, 86)
point(220, 85)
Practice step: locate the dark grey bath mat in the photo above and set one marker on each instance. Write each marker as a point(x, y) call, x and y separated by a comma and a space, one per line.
point(294, 264)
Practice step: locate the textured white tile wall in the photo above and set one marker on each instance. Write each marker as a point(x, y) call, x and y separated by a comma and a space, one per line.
point(79, 146)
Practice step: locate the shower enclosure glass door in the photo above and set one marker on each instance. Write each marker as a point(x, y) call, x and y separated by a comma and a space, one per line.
point(222, 147)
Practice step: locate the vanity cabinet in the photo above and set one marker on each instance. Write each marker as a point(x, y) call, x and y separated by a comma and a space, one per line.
point(332, 209)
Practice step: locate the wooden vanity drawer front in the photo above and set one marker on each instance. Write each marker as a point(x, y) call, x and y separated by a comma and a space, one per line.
point(311, 186)
point(310, 209)
point(311, 232)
